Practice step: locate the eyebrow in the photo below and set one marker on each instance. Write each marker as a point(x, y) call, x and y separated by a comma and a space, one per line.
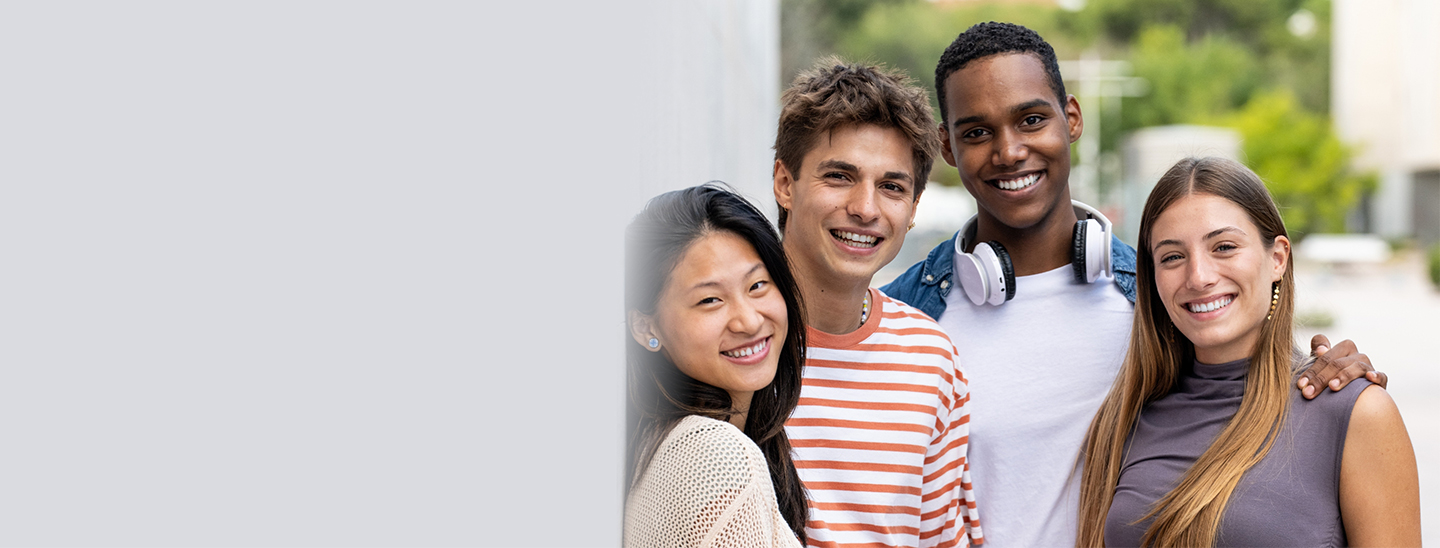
point(836, 164)
point(713, 283)
point(1033, 103)
point(1212, 234)
point(847, 166)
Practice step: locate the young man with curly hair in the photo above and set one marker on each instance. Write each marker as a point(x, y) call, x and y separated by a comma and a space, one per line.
point(880, 434)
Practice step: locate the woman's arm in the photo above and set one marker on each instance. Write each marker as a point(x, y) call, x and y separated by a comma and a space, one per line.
point(1379, 486)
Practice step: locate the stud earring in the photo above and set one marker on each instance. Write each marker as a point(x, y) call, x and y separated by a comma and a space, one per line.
point(1274, 301)
point(654, 343)
point(912, 226)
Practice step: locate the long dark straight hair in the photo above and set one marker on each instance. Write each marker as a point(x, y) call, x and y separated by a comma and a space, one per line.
point(659, 393)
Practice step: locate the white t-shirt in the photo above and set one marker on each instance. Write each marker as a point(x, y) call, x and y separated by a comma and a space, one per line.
point(1039, 366)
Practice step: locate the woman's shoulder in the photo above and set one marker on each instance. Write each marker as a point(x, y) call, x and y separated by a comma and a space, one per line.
point(706, 477)
point(1373, 408)
point(701, 442)
point(705, 430)
point(1332, 402)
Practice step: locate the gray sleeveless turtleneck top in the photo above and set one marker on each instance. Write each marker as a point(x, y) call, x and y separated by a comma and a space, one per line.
point(1291, 498)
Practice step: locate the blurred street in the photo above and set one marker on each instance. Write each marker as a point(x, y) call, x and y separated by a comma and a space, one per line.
point(1392, 312)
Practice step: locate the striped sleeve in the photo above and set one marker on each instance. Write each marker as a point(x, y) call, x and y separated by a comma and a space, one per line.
point(881, 435)
point(949, 511)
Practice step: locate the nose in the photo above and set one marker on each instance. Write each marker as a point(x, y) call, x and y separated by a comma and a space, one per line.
point(745, 317)
point(862, 204)
point(1009, 149)
point(1202, 273)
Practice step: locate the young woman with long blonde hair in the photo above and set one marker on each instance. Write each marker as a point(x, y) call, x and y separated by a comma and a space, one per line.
point(1202, 440)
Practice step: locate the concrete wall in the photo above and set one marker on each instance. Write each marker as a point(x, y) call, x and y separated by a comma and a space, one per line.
point(1386, 99)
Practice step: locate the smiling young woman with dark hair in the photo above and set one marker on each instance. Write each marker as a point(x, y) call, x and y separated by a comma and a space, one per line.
point(713, 373)
point(1202, 441)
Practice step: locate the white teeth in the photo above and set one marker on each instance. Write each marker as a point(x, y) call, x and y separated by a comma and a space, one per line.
point(855, 240)
point(1210, 306)
point(1017, 184)
point(747, 350)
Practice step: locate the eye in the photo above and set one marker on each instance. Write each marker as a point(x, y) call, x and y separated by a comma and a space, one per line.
point(1227, 246)
point(841, 175)
point(759, 285)
point(974, 134)
point(708, 300)
point(1032, 119)
point(1169, 258)
point(894, 187)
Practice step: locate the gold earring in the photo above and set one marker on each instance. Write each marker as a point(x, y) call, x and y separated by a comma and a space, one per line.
point(912, 226)
point(1274, 301)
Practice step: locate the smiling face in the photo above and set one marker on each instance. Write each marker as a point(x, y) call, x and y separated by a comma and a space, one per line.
point(1214, 274)
point(720, 319)
point(850, 203)
point(1009, 136)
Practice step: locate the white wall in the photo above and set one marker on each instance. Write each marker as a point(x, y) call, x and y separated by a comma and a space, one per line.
point(341, 273)
point(720, 62)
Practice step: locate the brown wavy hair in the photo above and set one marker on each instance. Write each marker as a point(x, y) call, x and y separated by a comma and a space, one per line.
point(1189, 515)
point(835, 94)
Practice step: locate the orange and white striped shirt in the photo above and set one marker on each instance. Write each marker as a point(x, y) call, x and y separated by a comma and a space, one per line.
point(882, 432)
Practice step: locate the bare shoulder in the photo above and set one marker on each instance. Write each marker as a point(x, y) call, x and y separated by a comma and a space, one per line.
point(1375, 413)
point(1379, 483)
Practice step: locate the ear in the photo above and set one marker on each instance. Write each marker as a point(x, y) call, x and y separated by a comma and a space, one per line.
point(784, 185)
point(1073, 118)
point(1280, 253)
point(642, 329)
point(914, 207)
point(946, 150)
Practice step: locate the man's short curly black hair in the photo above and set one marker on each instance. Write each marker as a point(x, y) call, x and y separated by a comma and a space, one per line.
point(992, 38)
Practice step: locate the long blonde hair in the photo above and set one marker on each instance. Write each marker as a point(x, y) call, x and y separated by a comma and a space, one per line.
point(1190, 514)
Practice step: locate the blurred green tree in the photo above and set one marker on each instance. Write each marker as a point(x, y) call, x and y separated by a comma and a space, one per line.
point(1302, 161)
point(809, 29)
point(1184, 87)
point(1261, 29)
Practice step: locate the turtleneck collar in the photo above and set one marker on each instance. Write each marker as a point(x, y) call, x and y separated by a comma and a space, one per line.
point(1224, 381)
point(1228, 371)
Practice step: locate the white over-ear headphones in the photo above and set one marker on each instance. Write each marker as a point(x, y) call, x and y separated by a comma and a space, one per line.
point(988, 276)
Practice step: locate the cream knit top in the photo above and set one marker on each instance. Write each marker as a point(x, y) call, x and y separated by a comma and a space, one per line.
point(707, 486)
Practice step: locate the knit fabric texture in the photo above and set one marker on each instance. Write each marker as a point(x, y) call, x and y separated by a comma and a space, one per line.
point(707, 486)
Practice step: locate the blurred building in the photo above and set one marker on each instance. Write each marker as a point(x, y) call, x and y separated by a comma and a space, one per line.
point(1149, 152)
point(1386, 99)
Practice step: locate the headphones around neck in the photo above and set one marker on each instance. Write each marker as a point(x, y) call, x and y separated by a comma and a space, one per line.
point(988, 276)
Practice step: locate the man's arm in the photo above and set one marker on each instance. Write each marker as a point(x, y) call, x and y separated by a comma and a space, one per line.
point(948, 496)
point(1336, 367)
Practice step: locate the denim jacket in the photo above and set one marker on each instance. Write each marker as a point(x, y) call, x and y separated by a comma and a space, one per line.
point(925, 285)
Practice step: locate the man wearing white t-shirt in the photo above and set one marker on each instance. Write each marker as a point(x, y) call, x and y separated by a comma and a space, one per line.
point(1042, 320)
